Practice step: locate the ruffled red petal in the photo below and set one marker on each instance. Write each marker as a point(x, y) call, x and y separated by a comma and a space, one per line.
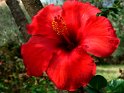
point(36, 54)
point(42, 21)
point(75, 13)
point(99, 37)
point(70, 71)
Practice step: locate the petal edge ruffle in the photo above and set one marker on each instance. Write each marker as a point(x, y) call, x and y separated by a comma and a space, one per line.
point(36, 54)
point(99, 37)
point(71, 71)
point(42, 21)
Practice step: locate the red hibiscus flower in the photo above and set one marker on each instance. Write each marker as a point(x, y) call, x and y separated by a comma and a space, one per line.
point(62, 38)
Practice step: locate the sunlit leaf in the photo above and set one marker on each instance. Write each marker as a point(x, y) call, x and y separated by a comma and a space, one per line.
point(115, 86)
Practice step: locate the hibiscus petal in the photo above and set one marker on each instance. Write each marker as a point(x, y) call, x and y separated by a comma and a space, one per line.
point(42, 22)
point(75, 13)
point(70, 71)
point(99, 37)
point(36, 54)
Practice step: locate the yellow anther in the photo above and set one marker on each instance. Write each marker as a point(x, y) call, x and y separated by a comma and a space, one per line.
point(59, 25)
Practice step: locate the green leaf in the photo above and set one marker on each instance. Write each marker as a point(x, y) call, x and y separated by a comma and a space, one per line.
point(90, 90)
point(115, 86)
point(98, 82)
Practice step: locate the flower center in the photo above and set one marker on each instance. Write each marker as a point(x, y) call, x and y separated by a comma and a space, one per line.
point(59, 25)
point(68, 40)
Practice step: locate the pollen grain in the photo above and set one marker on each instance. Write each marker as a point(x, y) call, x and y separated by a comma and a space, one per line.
point(59, 25)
